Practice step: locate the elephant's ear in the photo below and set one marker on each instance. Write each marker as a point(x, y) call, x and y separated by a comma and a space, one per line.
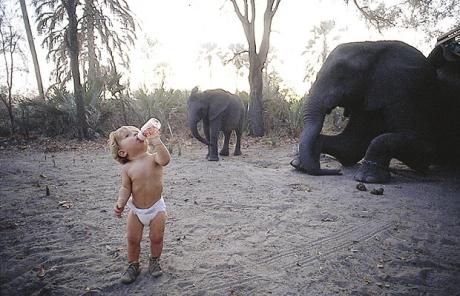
point(217, 105)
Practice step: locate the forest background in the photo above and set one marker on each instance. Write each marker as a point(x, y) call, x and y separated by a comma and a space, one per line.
point(79, 69)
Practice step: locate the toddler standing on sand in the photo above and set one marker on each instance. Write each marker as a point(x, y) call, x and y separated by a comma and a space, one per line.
point(141, 188)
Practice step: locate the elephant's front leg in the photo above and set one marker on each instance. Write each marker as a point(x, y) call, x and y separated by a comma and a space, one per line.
point(225, 151)
point(405, 146)
point(214, 137)
point(350, 146)
point(207, 136)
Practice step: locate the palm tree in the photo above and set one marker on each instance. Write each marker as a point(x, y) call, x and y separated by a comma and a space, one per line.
point(73, 45)
point(208, 52)
point(63, 45)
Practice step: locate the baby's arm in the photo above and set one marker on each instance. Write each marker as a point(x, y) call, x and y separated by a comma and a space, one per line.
point(162, 156)
point(123, 194)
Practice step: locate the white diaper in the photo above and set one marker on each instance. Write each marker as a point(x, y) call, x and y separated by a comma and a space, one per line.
point(147, 215)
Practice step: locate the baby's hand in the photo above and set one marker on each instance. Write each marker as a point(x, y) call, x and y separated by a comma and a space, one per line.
point(155, 138)
point(118, 211)
point(152, 132)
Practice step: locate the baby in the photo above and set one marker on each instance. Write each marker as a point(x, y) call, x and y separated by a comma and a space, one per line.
point(141, 188)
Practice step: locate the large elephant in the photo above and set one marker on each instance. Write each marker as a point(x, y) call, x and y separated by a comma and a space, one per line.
point(401, 105)
point(220, 111)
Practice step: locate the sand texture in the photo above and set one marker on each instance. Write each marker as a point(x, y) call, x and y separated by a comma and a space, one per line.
point(246, 225)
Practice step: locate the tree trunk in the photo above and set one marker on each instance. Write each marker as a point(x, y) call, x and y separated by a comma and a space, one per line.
point(30, 39)
point(10, 83)
point(73, 47)
point(256, 60)
point(93, 64)
point(255, 112)
point(12, 121)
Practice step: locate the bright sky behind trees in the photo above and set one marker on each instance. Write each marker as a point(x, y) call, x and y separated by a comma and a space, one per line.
point(182, 26)
point(172, 35)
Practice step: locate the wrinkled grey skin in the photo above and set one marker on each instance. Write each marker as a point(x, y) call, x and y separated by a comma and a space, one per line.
point(398, 101)
point(220, 111)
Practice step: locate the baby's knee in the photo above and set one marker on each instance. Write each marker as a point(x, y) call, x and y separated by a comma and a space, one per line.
point(156, 238)
point(134, 239)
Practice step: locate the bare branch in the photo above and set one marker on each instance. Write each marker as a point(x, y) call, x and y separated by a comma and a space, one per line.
point(242, 18)
point(253, 12)
point(235, 55)
point(268, 18)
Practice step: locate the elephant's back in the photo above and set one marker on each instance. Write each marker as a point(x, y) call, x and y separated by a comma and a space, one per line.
point(359, 56)
point(234, 114)
point(393, 65)
point(221, 94)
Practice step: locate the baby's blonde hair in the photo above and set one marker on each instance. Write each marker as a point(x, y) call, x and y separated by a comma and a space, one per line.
point(114, 137)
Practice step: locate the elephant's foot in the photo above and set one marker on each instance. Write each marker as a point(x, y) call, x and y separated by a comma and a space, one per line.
point(224, 152)
point(213, 158)
point(237, 152)
point(372, 172)
point(313, 171)
point(296, 163)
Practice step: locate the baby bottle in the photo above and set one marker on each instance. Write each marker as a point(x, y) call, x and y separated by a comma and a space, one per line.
point(148, 128)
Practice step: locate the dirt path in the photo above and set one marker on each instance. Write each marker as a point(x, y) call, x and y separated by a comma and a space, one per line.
point(247, 225)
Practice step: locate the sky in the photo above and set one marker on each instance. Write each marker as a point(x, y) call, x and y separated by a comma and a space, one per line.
point(182, 26)
point(179, 28)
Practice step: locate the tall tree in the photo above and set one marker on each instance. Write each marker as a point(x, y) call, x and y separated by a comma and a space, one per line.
point(94, 75)
point(208, 52)
point(9, 47)
point(73, 46)
point(258, 58)
point(64, 48)
point(30, 39)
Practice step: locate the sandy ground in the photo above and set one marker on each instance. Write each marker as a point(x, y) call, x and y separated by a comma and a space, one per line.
point(246, 225)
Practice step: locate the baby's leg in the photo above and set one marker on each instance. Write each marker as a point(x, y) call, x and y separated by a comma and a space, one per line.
point(134, 229)
point(157, 229)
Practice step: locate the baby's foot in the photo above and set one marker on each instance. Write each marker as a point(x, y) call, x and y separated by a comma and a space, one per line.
point(154, 267)
point(131, 273)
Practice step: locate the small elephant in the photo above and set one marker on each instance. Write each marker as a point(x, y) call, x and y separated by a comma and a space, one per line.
point(220, 111)
point(399, 107)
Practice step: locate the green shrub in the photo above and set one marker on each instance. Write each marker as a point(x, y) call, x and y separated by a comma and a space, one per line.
point(283, 113)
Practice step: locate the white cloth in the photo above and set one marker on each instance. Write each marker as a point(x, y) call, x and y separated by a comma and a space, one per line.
point(147, 215)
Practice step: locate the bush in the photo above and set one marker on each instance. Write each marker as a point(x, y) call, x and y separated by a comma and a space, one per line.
point(283, 113)
point(282, 109)
point(52, 117)
point(169, 106)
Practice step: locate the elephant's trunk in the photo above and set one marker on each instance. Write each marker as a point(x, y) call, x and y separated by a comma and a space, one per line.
point(310, 143)
point(194, 119)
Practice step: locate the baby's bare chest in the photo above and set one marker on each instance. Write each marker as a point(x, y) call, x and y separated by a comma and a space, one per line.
point(145, 170)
